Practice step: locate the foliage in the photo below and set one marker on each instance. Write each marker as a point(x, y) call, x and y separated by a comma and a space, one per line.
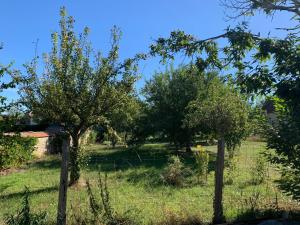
point(257, 121)
point(77, 90)
point(222, 113)
point(259, 171)
point(249, 7)
point(263, 65)
point(175, 172)
point(167, 96)
point(25, 216)
point(284, 137)
point(202, 159)
point(231, 172)
point(92, 137)
point(112, 136)
point(124, 118)
point(15, 150)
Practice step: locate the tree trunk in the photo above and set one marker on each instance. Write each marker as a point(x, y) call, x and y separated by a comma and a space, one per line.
point(74, 160)
point(219, 173)
point(63, 186)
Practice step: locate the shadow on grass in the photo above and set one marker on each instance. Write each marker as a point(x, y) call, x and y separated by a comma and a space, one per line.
point(53, 163)
point(255, 216)
point(31, 192)
point(146, 163)
point(3, 187)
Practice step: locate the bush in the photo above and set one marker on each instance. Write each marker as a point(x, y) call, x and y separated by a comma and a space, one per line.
point(15, 150)
point(92, 137)
point(24, 216)
point(175, 173)
point(202, 159)
point(259, 171)
point(231, 170)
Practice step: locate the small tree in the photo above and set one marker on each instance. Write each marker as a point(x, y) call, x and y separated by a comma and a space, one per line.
point(77, 90)
point(167, 96)
point(223, 113)
point(124, 118)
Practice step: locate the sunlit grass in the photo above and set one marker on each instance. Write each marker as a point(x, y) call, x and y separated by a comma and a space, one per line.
point(134, 180)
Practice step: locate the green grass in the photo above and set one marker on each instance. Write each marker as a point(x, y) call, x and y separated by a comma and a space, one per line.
point(134, 180)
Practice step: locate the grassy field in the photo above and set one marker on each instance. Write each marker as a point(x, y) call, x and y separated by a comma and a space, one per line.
point(134, 180)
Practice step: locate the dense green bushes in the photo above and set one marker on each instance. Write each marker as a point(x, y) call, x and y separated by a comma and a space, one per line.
point(14, 150)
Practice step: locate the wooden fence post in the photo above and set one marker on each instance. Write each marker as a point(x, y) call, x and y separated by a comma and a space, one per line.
point(63, 186)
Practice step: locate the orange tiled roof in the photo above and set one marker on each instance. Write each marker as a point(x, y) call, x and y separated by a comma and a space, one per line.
point(39, 134)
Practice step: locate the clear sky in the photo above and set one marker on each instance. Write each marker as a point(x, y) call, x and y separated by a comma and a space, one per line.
point(141, 21)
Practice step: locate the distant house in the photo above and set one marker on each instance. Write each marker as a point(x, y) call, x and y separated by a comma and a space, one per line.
point(47, 135)
point(44, 141)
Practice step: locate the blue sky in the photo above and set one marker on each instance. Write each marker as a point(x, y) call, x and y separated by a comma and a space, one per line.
point(141, 21)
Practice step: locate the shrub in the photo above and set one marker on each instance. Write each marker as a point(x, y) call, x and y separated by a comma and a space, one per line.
point(175, 172)
point(231, 167)
point(25, 216)
point(259, 171)
point(14, 150)
point(202, 159)
point(92, 137)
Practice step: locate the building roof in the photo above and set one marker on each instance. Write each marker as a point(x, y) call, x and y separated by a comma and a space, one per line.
point(40, 134)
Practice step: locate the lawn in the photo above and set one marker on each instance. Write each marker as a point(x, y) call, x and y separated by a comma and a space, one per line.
point(134, 181)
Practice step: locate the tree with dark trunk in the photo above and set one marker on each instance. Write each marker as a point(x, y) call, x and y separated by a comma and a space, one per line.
point(78, 90)
point(167, 96)
point(223, 114)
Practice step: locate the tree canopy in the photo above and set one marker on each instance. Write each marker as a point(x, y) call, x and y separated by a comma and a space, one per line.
point(78, 88)
point(167, 96)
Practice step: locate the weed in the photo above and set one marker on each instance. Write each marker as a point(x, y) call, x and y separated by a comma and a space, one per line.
point(202, 159)
point(175, 172)
point(25, 216)
point(259, 171)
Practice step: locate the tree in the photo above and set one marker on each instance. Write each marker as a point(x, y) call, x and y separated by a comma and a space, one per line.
point(76, 89)
point(264, 65)
point(123, 118)
point(167, 96)
point(283, 136)
point(283, 54)
point(222, 113)
point(270, 7)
